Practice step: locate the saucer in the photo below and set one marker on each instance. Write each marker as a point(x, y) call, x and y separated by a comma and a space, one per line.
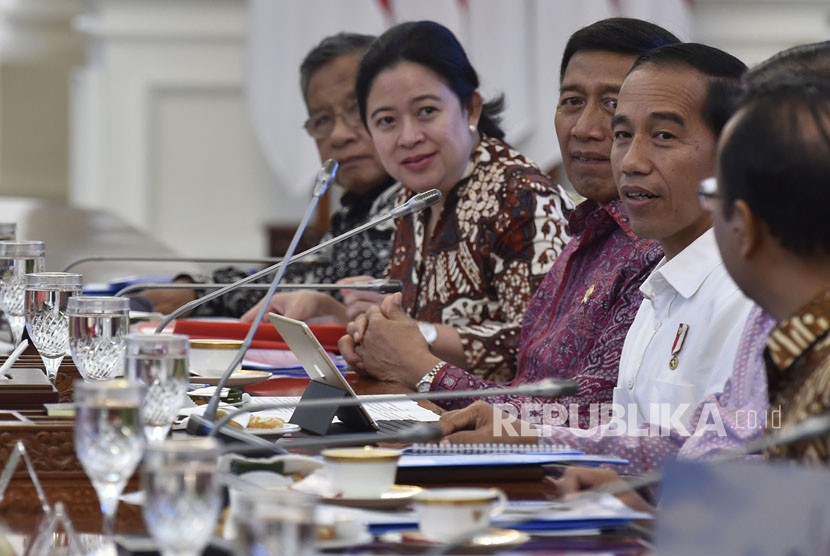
point(338, 543)
point(396, 497)
point(487, 541)
point(238, 378)
point(276, 431)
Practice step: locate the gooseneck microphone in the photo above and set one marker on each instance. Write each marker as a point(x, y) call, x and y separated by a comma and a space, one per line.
point(325, 177)
point(205, 422)
point(547, 388)
point(809, 428)
point(380, 285)
point(415, 204)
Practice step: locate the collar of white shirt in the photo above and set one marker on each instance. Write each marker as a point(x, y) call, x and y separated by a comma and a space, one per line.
point(686, 271)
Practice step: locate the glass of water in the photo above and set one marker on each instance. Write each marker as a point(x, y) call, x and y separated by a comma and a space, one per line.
point(18, 258)
point(159, 362)
point(97, 326)
point(109, 439)
point(182, 494)
point(45, 301)
point(274, 522)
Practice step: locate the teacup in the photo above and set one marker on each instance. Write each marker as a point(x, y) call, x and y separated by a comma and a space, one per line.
point(361, 472)
point(211, 358)
point(452, 514)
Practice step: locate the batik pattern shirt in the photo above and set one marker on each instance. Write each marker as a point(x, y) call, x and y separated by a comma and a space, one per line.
point(575, 324)
point(798, 375)
point(500, 230)
point(366, 253)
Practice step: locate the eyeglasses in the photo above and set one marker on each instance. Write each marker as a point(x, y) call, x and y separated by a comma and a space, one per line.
point(321, 124)
point(708, 192)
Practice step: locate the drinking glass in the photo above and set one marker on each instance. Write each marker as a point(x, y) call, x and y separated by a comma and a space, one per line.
point(8, 231)
point(109, 440)
point(18, 258)
point(160, 363)
point(97, 326)
point(45, 301)
point(274, 522)
point(182, 494)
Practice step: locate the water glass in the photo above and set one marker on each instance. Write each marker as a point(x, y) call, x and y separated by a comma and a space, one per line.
point(45, 300)
point(182, 494)
point(159, 362)
point(97, 326)
point(109, 439)
point(274, 522)
point(18, 258)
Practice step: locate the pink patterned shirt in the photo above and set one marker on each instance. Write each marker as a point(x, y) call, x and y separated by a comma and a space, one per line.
point(576, 322)
point(728, 418)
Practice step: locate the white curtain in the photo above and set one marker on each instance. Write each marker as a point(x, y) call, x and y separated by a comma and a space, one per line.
point(515, 45)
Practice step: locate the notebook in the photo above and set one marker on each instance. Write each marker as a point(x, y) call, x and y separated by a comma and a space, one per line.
point(329, 382)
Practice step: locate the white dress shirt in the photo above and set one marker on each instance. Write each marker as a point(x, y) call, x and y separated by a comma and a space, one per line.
point(693, 288)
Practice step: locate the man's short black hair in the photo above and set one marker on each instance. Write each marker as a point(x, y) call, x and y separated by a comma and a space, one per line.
point(722, 71)
point(621, 35)
point(804, 59)
point(776, 158)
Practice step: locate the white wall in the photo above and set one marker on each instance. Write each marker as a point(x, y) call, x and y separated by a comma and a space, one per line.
point(161, 134)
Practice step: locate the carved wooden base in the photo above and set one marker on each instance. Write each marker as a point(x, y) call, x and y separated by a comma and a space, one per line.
point(50, 446)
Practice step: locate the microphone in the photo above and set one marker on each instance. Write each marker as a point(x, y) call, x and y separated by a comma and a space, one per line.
point(415, 204)
point(809, 428)
point(547, 388)
point(382, 286)
point(419, 432)
point(229, 260)
point(325, 177)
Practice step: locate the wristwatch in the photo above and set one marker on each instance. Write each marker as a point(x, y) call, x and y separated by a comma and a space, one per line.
point(428, 331)
point(425, 383)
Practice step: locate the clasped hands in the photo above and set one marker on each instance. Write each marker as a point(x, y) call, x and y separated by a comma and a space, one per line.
point(386, 344)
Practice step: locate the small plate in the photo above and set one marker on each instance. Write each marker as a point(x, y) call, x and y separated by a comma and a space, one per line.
point(396, 497)
point(278, 431)
point(491, 540)
point(238, 378)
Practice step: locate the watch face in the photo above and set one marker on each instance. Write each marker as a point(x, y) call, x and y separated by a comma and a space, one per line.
point(423, 387)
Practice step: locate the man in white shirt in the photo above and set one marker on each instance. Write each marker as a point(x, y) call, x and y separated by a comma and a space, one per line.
point(672, 106)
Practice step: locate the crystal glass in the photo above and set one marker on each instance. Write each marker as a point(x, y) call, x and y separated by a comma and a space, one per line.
point(8, 231)
point(182, 494)
point(109, 439)
point(18, 258)
point(274, 522)
point(97, 327)
point(44, 302)
point(160, 363)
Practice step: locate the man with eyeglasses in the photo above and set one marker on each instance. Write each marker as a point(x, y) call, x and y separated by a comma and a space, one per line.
point(327, 76)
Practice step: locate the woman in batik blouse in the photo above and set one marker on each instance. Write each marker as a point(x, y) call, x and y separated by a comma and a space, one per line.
point(470, 263)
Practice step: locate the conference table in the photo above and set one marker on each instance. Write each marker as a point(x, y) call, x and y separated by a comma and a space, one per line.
point(49, 443)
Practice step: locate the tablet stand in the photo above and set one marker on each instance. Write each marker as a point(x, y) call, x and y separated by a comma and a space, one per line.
point(318, 420)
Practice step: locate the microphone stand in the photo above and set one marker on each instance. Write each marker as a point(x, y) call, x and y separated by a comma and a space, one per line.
point(382, 286)
point(415, 204)
point(82, 260)
point(325, 177)
point(200, 423)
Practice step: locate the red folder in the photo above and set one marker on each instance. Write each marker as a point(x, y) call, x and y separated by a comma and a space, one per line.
point(266, 336)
